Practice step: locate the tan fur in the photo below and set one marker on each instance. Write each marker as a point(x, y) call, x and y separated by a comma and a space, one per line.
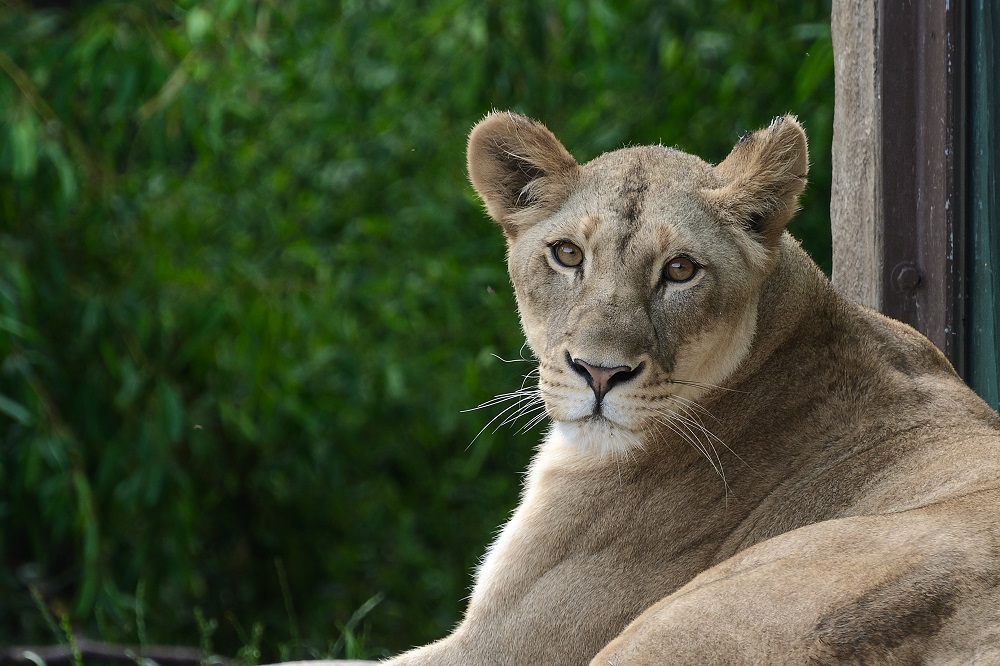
point(788, 478)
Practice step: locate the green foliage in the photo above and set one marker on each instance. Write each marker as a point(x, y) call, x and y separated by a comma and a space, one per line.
point(246, 292)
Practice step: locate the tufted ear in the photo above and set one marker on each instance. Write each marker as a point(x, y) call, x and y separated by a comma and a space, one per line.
point(762, 179)
point(518, 167)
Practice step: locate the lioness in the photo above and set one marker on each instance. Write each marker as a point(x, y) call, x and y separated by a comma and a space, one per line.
point(743, 467)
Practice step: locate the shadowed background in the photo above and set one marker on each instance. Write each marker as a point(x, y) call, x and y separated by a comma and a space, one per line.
point(246, 291)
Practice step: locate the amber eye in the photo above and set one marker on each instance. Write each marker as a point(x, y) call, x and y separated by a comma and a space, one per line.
point(680, 269)
point(567, 254)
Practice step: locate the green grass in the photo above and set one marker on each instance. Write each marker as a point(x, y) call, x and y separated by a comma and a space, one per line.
point(352, 642)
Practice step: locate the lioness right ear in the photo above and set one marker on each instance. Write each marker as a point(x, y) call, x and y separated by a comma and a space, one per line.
point(518, 166)
point(763, 177)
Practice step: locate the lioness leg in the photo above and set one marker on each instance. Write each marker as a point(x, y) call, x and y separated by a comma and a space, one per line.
point(904, 588)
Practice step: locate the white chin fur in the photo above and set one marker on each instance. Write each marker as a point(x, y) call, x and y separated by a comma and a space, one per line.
point(593, 437)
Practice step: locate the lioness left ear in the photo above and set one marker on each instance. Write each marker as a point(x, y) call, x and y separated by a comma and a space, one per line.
point(762, 179)
point(519, 169)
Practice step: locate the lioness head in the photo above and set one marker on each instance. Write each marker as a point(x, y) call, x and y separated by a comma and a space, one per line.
point(637, 274)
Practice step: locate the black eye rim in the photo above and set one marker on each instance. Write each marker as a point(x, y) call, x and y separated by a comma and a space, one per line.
point(554, 249)
point(695, 266)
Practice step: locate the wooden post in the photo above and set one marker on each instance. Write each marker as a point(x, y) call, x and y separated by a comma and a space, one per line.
point(855, 199)
point(898, 162)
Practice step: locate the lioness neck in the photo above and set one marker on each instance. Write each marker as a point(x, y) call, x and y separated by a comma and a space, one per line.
point(795, 293)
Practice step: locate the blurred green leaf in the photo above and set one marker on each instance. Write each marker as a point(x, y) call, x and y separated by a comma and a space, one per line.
point(24, 148)
point(15, 411)
point(199, 24)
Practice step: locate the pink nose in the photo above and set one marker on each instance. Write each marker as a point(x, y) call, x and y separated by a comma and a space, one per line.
point(602, 379)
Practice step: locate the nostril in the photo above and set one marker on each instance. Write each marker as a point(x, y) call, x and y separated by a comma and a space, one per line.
point(579, 368)
point(623, 374)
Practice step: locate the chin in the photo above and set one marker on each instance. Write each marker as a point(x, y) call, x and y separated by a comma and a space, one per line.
point(595, 436)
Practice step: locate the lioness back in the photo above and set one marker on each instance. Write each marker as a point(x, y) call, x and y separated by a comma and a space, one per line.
point(742, 467)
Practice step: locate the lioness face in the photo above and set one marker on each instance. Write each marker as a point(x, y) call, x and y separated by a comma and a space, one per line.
point(633, 297)
point(636, 280)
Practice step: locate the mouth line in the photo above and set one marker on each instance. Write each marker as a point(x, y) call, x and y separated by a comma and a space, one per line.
point(598, 418)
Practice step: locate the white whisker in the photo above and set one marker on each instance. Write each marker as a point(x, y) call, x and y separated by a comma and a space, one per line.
point(504, 411)
point(524, 402)
point(504, 397)
point(535, 420)
point(689, 430)
point(684, 382)
point(512, 360)
point(523, 411)
point(709, 433)
point(692, 404)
